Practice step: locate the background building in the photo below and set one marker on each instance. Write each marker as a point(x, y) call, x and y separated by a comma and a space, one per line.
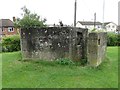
point(7, 27)
point(109, 26)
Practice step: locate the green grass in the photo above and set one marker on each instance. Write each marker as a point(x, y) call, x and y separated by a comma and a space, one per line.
point(43, 74)
point(0, 71)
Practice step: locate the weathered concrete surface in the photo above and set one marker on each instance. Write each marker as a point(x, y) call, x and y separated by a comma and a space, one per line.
point(53, 43)
point(97, 43)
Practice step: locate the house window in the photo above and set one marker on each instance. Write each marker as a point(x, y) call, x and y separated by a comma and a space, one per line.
point(98, 26)
point(10, 29)
point(109, 26)
point(113, 26)
point(86, 27)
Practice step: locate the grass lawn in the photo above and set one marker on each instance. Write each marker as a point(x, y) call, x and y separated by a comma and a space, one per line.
point(42, 74)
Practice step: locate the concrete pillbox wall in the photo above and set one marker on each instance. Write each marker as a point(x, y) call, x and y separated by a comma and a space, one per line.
point(97, 44)
point(52, 43)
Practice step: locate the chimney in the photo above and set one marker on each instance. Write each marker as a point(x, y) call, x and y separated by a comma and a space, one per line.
point(14, 19)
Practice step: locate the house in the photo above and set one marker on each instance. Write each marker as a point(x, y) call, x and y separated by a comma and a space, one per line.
point(109, 26)
point(7, 27)
point(89, 24)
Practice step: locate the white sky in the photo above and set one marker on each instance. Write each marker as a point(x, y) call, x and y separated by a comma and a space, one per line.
point(55, 10)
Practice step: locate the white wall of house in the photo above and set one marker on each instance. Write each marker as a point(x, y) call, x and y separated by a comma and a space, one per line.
point(111, 27)
point(80, 25)
point(90, 27)
point(98, 27)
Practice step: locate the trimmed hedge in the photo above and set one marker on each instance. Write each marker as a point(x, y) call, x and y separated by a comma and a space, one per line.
point(113, 39)
point(11, 43)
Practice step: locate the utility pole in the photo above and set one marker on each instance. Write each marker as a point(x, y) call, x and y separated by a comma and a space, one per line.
point(103, 14)
point(119, 13)
point(94, 20)
point(118, 28)
point(75, 9)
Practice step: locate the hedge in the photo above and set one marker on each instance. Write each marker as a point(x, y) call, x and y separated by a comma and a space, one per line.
point(11, 43)
point(113, 39)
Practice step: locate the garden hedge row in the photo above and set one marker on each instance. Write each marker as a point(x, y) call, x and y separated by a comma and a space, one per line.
point(113, 39)
point(11, 43)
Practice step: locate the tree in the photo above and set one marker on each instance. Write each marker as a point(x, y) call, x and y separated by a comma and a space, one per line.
point(29, 20)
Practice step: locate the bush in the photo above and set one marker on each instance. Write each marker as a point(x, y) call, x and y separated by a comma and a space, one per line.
point(0, 47)
point(64, 61)
point(11, 43)
point(112, 39)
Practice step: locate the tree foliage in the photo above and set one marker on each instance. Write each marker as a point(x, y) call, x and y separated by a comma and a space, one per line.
point(29, 20)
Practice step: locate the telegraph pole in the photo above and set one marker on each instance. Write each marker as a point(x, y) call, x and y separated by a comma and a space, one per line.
point(118, 28)
point(119, 13)
point(94, 20)
point(103, 13)
point(75, 9)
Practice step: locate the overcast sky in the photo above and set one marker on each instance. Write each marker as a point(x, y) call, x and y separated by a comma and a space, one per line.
point(55, 10)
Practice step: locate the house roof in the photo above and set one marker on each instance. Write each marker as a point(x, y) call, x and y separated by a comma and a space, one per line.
point(89, 23)
point(92, 23)
point(6, 23)
point(106, 23)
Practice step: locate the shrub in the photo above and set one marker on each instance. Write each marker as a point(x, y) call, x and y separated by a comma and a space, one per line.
point(112, 39)
point(0, 47)
point(11, 43)
point(64, 61)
